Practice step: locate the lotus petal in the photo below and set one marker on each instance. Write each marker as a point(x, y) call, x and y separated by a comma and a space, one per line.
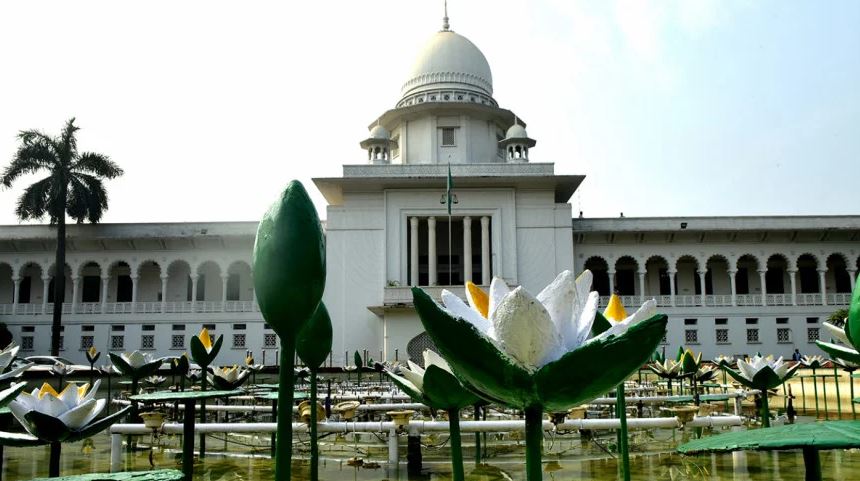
point(525, 330)
point(458, 308)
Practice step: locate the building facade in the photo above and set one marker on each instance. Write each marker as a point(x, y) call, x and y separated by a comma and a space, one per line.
point(731, 285)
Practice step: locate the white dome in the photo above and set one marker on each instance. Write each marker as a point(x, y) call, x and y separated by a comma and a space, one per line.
point(448, 61)
point(516, 131)
point(379, 132)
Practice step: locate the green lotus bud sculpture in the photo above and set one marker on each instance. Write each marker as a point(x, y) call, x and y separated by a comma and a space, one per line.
point(537, 353)
point(204, 349)
point(436, 386)
point(763, 373)
point(313, 346)
point(289, 279)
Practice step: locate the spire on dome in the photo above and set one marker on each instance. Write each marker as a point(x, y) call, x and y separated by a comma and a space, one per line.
point(445, 25)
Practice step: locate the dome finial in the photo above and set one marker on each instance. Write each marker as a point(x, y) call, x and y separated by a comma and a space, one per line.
point(445, 25)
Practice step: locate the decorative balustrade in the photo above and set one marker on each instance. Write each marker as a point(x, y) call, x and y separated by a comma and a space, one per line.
point(148, 307)
point(403, 295)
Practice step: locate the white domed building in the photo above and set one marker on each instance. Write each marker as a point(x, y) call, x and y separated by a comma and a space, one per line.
point(731, 285)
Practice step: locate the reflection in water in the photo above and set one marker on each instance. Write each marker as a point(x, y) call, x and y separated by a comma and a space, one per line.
point(652, 459)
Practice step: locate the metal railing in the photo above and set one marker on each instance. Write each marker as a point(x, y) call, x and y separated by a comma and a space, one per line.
point(146, 307)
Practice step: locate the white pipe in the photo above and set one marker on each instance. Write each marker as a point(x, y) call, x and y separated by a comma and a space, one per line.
point(432, 426)
point(665, 399)
point(267, 409)
point(115, 452)
point(393, 447)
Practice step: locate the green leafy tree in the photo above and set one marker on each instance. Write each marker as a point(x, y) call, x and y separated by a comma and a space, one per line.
point(838, 317)
point(73, 187)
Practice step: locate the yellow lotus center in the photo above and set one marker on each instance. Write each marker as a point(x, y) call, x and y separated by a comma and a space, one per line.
point(47, 389)
point(615, 309)
point(205, 339)
point(92, 351)
point(479, 299)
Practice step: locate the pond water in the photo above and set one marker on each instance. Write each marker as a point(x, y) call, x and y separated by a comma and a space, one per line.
point(566, 457)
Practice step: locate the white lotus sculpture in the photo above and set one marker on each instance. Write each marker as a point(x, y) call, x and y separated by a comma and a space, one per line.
point(64, 416)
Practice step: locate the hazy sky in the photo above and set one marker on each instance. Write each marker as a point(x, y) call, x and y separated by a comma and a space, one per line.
point(668, 107)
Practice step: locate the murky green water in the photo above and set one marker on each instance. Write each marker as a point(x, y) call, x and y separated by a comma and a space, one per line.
point(566, 457)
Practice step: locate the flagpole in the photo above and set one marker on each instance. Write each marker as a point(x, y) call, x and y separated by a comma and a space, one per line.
point(450, 271)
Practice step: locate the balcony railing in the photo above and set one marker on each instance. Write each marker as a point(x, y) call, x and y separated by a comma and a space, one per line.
point(395, 296)
point(148, 307)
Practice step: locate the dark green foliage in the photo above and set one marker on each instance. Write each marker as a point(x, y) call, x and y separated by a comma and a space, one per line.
point(72, 187)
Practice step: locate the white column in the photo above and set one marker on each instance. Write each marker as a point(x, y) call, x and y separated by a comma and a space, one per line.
point(134, 283)
point(642, 287)
point(672, 287)
point(431, 251)
point(413, 251)
point(852, 273)
point(467, 249)
point(485, 251)
point(194, 293)
point(224, 279)
point(104, 297)
point(611, 275)
point(75, 287)
point(792, 276)
point(164, 293)
point(762, 275)
point(702, 286)
point(732, 281)
point(46, 283)
point(822, 285)
point(16, 284)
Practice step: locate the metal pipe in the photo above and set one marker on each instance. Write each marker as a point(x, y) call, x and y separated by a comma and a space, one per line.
point(116, 451)
point(436, 426)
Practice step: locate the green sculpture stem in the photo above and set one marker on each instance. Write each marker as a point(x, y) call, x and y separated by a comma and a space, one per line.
point(765, 410)
point(623, 447)
point(314, 445)
point(838, 397)
point(286, 379)
point(204, 380)
point(851, 387)
point(456, 445)
point(815, 390)
point(534, 443)
point(54, 462)
point(812, 461)
point(669, 385)
point(477, 437)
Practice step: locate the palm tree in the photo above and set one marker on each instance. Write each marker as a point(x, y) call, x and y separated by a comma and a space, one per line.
point(73, 187)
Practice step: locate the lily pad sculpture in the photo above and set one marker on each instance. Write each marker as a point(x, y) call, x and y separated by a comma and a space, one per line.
point(763, 373)
point(436, 386)
point(537, 353)
point(289, 279)
point(67, 416)
point(313, 346)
